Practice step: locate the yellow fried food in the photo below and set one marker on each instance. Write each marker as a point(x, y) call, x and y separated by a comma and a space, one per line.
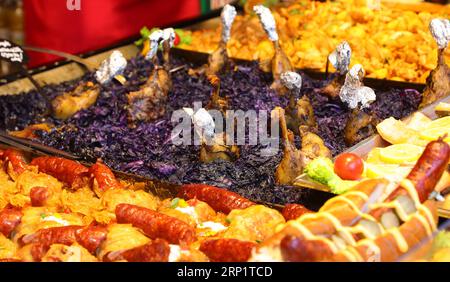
point(256, 223)
point(122, 237)
point(390, 42)
point(7, 248)
point(114, 197)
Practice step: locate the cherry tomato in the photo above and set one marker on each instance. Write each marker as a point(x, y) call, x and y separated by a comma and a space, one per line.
point(349, 166)
point(177, 39)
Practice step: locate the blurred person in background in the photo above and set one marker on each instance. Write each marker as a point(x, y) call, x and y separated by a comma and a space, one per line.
point(77, 26)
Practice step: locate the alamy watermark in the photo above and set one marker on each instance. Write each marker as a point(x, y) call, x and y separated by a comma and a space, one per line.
point(240, 128)
point(74, 5)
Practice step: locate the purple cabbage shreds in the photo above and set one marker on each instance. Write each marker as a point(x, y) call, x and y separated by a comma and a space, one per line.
point(102, 130)
point(396, 103)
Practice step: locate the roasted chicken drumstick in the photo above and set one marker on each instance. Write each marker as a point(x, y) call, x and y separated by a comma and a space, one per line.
point(438, 82)
point(219, 60)
point(340, 59)
point(149, 103)
point(299, 112)
point(280, 62)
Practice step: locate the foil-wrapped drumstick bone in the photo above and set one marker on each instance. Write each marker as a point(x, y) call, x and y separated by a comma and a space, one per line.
point(299, 112)
point(376, 220)
point(219, 60)
point(340, 59)
point(149, 102)
point(280, 61)
point(161, 75)
point(86, 93)
point(438, 82)
point(360, 124)
point(213, 145)
point(168, 41)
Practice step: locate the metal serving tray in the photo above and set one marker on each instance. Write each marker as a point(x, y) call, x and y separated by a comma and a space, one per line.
point(313, 198)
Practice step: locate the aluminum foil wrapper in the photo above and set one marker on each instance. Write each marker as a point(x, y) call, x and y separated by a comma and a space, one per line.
point(114, 65)
point(169, 35)
point(440, 29)
point(291, 80)
point(353, 92)
point(228, 15)
point(340, 58)
point(267, 21)
point(155, 38)
point(203, 122)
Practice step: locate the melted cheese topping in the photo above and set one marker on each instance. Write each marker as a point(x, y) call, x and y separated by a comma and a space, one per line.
point(428, 215)
point(213, 226)
point(57, 220)
point(189, 211)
